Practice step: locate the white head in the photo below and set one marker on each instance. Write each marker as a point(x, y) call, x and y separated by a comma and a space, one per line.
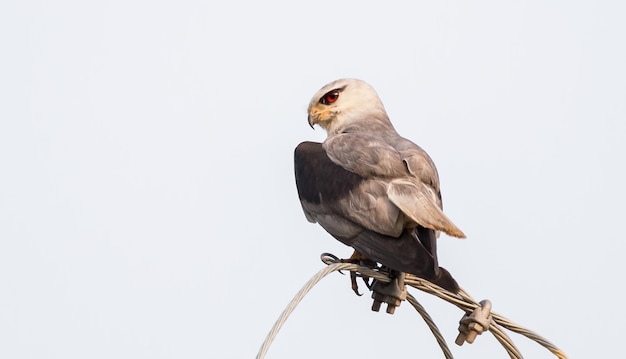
point(347, 104)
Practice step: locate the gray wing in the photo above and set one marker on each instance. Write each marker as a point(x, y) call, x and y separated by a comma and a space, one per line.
point(340, 199)
point(403, 168)
point(357, 211)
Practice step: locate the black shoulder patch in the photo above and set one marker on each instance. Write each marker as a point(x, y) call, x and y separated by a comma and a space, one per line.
point(317, 175)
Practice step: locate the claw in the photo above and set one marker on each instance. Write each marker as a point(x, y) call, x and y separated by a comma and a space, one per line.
point(366, 280)
point(355, 286)
point(349, 260)
point(355, 258)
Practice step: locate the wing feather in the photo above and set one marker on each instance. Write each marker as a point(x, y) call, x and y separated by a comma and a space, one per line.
point(419, 203)
point(365, 155)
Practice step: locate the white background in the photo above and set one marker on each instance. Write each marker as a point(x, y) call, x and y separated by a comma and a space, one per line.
point(147, 201)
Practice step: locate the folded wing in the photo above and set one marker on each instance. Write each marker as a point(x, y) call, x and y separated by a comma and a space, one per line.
point(419, 202)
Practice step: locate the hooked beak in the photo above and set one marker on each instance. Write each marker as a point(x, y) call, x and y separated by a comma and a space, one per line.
point(313, 120)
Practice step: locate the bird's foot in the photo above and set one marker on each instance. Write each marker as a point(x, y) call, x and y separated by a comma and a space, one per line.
point(358, 258)
point(355, 258)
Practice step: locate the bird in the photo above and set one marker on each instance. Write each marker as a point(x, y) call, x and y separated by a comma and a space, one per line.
point(369, 187)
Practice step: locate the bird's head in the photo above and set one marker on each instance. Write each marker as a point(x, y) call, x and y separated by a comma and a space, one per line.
point(344, 103)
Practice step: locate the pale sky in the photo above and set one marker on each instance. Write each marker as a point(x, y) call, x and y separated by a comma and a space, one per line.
point(147, 202)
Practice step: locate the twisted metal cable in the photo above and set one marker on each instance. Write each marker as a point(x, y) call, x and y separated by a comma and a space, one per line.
point(468, 304)
point(294, 302)
point(431, 324)
point(462, 300)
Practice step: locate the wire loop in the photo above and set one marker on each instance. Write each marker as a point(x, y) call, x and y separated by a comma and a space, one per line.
point(477, 319)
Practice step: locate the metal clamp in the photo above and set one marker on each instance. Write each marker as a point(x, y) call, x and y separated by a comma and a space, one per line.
point(472, 325)
point(392, 293)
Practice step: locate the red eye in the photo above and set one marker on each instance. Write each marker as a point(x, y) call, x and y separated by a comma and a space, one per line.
point(330, 97)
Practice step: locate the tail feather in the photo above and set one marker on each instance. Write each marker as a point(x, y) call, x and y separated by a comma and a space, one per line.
point(406, 254)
